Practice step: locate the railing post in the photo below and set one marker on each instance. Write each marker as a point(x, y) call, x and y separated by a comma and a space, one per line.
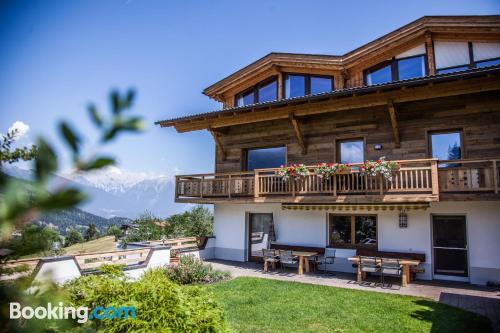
point(201, 186)
point(177, 187)
point(229, 186)
point(293, 185)
point(434, 177)
point(381, 184)
point(334, 177)
point(256, 185)
point(495, 176)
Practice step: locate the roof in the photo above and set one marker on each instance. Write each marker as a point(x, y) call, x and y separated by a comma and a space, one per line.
point(363, 90)
point(414, 29)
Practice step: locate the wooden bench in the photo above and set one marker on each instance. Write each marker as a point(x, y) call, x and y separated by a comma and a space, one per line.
point(320, 250)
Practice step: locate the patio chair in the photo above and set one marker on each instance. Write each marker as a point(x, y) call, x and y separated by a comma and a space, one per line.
point(390, 267)
point(269, 256)
point(287, 259)
point(327, 259)
point(368, 265)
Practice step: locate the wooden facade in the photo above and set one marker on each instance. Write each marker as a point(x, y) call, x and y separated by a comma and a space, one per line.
point(393, 120)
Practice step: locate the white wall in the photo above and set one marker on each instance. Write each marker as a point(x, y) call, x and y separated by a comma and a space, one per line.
point(309, 228)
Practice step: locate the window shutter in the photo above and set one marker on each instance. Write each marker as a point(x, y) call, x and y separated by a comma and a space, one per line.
point(451, 54)
point(412, 52)
point(483, 51)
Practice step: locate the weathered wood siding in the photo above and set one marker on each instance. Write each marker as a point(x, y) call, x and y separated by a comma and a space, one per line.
point(478, 115)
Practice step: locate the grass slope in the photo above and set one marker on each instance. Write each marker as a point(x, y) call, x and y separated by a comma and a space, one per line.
point(102, 244)
point(262, 305)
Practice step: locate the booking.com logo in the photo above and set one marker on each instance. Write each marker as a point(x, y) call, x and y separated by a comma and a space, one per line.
point(82, 314)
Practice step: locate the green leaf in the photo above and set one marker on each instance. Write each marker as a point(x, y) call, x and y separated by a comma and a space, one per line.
point(71, 138)
point(94, 115)
point(115, 102)
point(134, 124)
point(45, 162)
point(129, 99)
point(97, 163)
point(62, 199)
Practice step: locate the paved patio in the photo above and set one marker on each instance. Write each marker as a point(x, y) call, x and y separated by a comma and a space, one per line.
point(478, 299)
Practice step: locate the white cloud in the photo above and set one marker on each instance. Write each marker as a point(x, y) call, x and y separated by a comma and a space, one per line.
point(22, 129)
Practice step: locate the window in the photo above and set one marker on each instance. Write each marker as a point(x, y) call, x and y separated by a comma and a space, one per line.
point(487, 63)
point(452, 69)
point(411, 67)
point(320, 84)
point(302, 85)
point(446, 145)
point(396, 69)
point(352, 230)
point(351, 151)
point(262, 158)
point(263, 92)
point(379, 75)
point(295, 85)
point(245, 99)
point(268, 92)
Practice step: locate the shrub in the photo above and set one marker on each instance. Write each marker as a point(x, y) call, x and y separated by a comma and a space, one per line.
point(160, 305)
point(191, 270)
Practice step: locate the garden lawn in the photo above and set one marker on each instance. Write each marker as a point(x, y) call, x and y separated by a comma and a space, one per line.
point(263, 305)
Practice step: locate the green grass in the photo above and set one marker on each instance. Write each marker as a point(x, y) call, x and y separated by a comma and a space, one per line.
point(263, 305)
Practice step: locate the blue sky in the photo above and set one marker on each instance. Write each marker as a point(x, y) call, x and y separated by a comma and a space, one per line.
point(56, 56)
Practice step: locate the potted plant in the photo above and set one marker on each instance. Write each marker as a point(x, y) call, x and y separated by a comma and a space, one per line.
point(174, 257)
point(294, 171)
point(380, 167)
point(327, 170)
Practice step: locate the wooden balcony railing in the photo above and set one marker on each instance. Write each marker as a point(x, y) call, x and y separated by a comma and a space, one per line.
point(415, 177)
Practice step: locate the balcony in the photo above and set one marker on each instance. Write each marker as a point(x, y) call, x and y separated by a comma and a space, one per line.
point(423, 180)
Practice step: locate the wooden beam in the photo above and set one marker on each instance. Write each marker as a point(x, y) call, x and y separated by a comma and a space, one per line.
point(417, 93)
point(298, 133)
point(429, 47)
point(218, 141)
point(394, 123)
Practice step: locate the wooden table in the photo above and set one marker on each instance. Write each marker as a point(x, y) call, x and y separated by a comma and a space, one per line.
point(303, 260)
point(405, 263)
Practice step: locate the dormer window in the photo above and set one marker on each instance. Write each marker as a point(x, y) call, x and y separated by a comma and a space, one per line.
point(297, 85)
point(407, 65)
point(265, 91)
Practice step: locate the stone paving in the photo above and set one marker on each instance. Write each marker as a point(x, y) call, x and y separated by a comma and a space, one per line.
point(478, 299)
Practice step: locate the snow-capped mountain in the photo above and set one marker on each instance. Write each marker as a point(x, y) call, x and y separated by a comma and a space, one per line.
point(115, 192)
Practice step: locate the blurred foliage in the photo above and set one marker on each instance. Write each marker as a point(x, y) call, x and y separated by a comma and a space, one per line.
point(18, 206)
point(114, 231)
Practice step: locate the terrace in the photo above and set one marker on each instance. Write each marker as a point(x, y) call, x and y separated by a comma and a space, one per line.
point(416, 181)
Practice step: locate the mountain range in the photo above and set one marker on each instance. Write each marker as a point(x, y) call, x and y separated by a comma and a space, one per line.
point(117, 193)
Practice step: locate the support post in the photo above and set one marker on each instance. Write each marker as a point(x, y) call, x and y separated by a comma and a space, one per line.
point(434, 176)
point(229, 186)
point(429, 47)
point(495, 176)
point(394, 123)
point(218, 142)
point(256, 185)
point(298, 133)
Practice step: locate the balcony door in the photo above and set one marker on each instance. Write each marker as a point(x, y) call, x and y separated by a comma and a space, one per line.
point(259, 234)
point(450, 252)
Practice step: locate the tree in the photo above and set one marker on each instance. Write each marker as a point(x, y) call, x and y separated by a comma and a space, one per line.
point(454, 152)
point(73, 237)
point(34, 239)
point(91, 233)
point(148, 227)
point(194, 223)
point(115, 231)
